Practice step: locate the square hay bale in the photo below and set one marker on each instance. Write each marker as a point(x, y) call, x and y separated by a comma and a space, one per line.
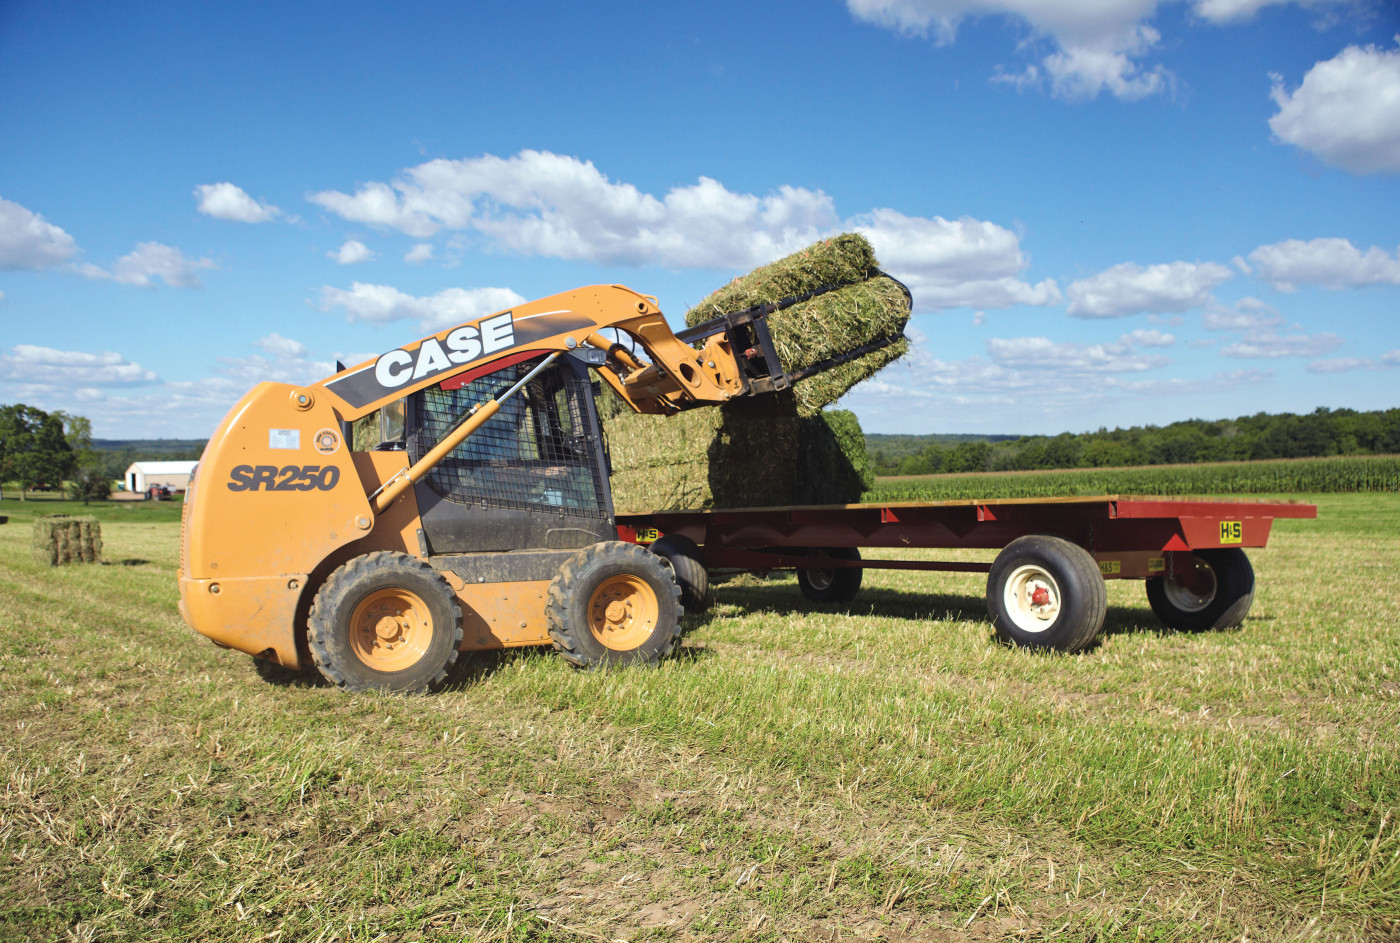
point(751, 453)
point(843, 260)
point(865, 306)
point(833, 465)
point(735, 455)
point(60, 538)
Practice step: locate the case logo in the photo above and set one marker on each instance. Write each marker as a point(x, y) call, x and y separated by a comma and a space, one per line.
point(463, 344)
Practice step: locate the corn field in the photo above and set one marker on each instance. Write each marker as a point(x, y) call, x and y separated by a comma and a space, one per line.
point(1360, 473)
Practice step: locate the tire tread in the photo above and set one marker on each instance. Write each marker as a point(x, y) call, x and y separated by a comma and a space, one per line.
point(320, 632)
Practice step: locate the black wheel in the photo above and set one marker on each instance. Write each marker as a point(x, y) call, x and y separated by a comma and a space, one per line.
point(614, 604)
point(837, 584)
point(691, 575)
point(1214, 590)
point(1045, 592)
point(385, 621)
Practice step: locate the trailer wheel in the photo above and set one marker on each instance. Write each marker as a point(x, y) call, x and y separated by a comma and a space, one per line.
point(384, 621)
point(691, 576)
point(1215, 593)
point(614, 604)
point(838, 584)
point(1045, 592)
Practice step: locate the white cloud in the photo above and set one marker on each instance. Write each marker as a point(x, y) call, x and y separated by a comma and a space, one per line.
point(1144, 337)
point(283, 369)
point(152, 260)
point(1347, 364)
point(280, 346)
point(29, 242)
point(351, 252)
point(381, 303)
point(1027, 385)
point(226, 201)
point(1098, 43)
point(1332, 263)
point(538, 203)
point(1131, 289)
point(1269, 344)
point(1347, 111)
point(1231, 11)
point(1248, 314)
point(1068, 357)
point(27, 363)
point(954, 263)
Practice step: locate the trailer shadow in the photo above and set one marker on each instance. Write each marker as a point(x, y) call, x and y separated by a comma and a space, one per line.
point(883, 603)
point(887, 603)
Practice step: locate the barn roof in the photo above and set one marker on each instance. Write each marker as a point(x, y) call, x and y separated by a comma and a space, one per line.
point(163, 468)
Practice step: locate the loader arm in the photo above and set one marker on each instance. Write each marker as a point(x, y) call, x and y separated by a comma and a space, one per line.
point(653, 369)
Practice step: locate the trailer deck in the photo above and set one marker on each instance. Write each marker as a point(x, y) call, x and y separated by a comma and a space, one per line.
point(1190, 550)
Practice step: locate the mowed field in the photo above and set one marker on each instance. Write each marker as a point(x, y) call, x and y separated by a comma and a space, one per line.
point(801, 772)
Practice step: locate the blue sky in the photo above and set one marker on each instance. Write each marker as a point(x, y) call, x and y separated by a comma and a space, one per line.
point(1110, 213)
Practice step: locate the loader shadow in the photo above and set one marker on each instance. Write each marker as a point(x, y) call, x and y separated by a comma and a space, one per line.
point(473, 668)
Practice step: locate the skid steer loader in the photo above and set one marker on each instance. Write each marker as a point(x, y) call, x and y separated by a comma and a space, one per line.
point(480, 515)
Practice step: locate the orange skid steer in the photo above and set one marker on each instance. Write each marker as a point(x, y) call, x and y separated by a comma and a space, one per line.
point(478, 517)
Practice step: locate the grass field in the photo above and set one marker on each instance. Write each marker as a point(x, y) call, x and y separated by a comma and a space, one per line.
point(881, 770)
point(1350, 473)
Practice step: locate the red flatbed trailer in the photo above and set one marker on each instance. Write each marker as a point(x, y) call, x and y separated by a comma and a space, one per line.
point(1046, 587)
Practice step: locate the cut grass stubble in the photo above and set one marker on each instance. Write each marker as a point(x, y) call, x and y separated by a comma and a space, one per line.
point(798, 770)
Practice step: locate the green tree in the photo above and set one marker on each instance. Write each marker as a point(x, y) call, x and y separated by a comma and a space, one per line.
point(77, 430)
point(33, 448)
point(90, 479)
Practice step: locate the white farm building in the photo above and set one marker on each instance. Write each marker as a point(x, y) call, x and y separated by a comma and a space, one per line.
point(143, 475)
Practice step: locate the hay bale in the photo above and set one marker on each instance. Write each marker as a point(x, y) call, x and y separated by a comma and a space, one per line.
point(843, 260)
point(869, 307)
point(735, 455)
point(751, 453)
point(60, 538)
point(834, 467)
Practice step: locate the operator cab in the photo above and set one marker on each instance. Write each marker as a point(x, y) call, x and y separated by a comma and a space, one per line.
point(533, 477)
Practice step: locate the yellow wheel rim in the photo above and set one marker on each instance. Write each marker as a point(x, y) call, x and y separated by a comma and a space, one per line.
point(623, 612)
point(390, 629)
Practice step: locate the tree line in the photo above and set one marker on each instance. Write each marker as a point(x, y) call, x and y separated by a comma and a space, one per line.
point(50, 450)
point(1248, 438)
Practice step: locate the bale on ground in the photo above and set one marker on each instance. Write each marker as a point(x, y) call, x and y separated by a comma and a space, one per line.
point(865, 306)
point(62, 538)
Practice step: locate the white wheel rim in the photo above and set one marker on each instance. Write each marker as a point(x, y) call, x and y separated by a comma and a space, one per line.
point(1031, 598)
point(820, 579)
point(1184, 597)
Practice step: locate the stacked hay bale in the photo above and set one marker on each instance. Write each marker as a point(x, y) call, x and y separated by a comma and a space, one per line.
point(782, 448)
point(736, 455)
point(866, 306)
point(61, 538)
point(834, 467)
